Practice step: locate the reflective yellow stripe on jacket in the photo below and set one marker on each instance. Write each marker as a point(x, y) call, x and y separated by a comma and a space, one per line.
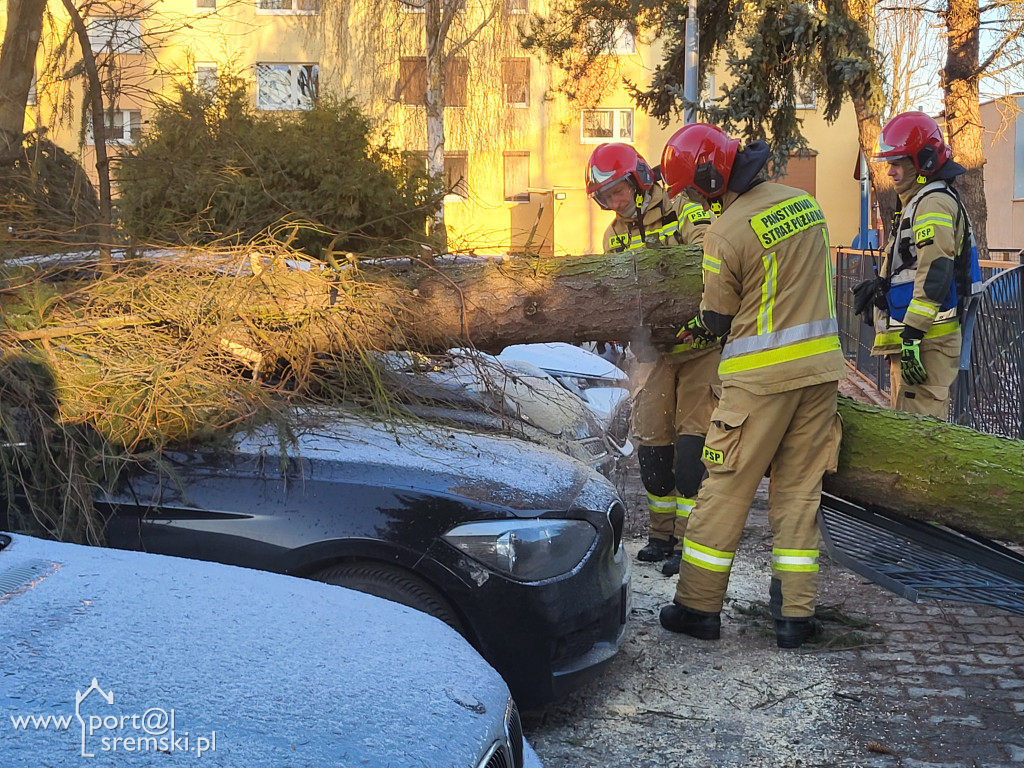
point(631, 243)
point(783, 346)
point(894, 338)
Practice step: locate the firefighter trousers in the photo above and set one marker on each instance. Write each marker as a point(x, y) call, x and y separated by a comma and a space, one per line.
point(797, 434)
point(673, 397)
point(941, 362)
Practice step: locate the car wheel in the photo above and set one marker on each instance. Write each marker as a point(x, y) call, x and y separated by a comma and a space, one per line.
point(391, 583)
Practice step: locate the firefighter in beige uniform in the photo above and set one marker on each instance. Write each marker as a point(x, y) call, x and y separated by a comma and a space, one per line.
point(916, 323)
point(675, 393)
point(768, 285)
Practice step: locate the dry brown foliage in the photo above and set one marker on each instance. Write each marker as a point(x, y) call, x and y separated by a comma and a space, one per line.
point(102, 368)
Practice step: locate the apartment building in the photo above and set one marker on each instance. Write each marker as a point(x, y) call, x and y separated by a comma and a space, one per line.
point(516, 147)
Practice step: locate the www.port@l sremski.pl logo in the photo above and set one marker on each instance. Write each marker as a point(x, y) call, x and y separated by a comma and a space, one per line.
point(105, 729)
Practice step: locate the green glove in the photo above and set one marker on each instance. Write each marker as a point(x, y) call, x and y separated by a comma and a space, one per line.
point(695, 335)
point(910, 362)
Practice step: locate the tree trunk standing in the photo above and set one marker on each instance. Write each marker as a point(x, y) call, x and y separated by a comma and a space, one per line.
point(99, 132)
point(930, 470)
point(438, 20)
point(17, 65)
point(960, 81)
point(868, 127)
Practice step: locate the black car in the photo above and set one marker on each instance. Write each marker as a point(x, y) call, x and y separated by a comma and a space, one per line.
point(516, 546)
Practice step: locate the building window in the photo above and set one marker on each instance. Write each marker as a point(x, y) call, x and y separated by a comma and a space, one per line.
point(305, 7)
point(806, 98)
point(412, 84)
point(287, 86)
point(32, 97)
point(456, 175)
point(1018, 154)
point(601, 125)
point(517, 6)
point(619, 42)
point(123, 126)
point(515, 77)
point(206, 77)
point(517, 177)
point(114, 34)
point(206, 5)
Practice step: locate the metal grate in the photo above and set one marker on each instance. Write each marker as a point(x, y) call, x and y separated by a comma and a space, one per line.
point(916, 559)
point(514, 731)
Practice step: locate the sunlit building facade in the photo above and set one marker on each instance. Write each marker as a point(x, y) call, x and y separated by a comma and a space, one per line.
point(515, 146)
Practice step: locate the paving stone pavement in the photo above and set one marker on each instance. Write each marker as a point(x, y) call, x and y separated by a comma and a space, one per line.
point(934, 683)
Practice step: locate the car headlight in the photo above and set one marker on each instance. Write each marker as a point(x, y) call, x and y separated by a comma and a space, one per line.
point(530, 550)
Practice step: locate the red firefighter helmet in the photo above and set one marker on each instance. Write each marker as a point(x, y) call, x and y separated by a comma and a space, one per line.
point(698, 157)
point(609, 164)
point(914, 135)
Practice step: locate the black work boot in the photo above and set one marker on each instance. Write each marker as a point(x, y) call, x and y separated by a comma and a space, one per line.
point(792, 633)
point(687, 621)
point(671, 566)
point(656, 549)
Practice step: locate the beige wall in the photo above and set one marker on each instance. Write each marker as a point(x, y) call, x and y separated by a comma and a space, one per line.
point(1003, 145)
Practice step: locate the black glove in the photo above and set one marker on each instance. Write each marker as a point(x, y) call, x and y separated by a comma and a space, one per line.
point(869, 294)
point(695, 335)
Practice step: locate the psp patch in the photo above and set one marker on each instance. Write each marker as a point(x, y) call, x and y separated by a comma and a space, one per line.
point(713, 456)
point(788, 218)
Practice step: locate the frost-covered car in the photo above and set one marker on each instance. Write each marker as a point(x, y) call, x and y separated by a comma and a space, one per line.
point(516, 546)
point(603, 386)
point(130, 658)
point(475, 390)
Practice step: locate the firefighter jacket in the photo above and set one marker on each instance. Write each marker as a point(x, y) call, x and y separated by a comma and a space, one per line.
point(768, 282)
point(919, 264)
point(663, 222)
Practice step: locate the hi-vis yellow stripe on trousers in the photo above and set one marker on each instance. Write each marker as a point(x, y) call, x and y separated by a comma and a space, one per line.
point(661, 505)
point(684, 506)
point(795, 560)
point(706, 557)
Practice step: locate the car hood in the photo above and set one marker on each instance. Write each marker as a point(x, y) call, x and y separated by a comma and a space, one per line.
point(285, 671)
point(419, 456)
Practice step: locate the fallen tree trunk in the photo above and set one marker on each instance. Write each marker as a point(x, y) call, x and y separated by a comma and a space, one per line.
point(931, 470)
point(919, 467)
point(492, 303)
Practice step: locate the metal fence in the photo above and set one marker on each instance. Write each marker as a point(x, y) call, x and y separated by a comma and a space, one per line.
point(855, 335)
point(987, 395)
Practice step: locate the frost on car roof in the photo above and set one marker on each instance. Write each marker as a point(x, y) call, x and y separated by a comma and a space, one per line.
point(286, 671)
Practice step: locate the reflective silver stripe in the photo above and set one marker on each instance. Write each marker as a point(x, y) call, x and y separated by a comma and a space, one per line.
point(906, 276)
point(707, 558)
point(777, 339)
point(661, 503)
point(795, 560)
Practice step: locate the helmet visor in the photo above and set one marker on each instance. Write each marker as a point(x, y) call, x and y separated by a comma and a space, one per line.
point(611, 196)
